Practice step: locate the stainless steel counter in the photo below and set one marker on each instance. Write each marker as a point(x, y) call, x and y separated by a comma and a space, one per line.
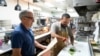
point(82, 49)
point(7, 47)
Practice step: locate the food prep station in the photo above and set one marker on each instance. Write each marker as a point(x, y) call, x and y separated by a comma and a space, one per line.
point(82, 45)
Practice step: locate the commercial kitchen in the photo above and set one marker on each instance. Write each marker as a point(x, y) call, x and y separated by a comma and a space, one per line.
point(85, 14)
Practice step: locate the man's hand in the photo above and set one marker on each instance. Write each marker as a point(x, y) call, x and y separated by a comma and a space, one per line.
point(64, 39)
point(44, 47)
point(37, 44)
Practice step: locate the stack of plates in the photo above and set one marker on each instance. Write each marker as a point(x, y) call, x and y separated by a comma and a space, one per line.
point(6, 24)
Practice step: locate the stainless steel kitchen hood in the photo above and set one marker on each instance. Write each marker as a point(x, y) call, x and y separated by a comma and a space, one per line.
point(83, 6)
point(82, 10)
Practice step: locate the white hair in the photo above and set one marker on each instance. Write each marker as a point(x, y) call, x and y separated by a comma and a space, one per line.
point(24, 13)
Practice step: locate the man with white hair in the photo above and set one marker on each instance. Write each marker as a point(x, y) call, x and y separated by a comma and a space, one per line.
point(23, 43)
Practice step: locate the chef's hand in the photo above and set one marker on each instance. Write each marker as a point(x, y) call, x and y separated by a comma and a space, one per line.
point(64, 39)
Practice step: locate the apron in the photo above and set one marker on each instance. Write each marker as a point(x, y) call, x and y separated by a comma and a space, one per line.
point(60, 44)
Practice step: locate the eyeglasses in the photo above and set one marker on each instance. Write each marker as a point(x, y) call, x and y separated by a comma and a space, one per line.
point(29, 17)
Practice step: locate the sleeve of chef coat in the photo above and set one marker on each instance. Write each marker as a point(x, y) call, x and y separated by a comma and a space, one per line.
point(53, 28)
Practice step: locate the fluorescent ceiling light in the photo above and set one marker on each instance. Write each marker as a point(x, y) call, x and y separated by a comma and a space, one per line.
point(71, 10)
point(59, 0)
point(37, 8)
point(45, 14)
point(73, 14)
point(58, 9)
point(48, 4)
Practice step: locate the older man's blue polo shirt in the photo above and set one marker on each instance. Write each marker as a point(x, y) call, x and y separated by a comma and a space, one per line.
point(23, 38)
